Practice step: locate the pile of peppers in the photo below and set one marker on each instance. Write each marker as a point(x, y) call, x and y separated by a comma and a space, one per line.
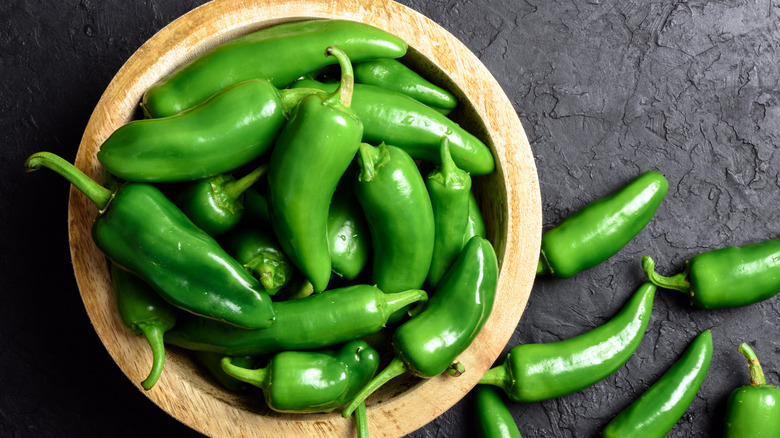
point(277, 219)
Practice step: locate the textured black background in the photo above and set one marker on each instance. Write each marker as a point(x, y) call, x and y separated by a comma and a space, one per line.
point(605, 90)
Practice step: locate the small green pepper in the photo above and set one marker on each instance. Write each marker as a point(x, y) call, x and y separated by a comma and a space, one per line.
point(311, 381)
point(142, 231)
point(728, 277)
point(663, 404)
point(317, 321)
point(535, 372)
point(145, 313)
point(313, 151)
point(391, 74)
point(493, 419)
point(427, 344)
point(753, 411)
point(599, 230)
point(348, 235)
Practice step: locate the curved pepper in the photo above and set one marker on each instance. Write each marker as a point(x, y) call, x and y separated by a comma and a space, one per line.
point(728, 277)
point(313, 151)
point(311, 381)
point(391, 74)
point(493, 419)
point(279, 54)
point(753, 411)
point(475, 225)
point(145, 313)
point(599, 230)
point(535, 372)
point(139, 229)
point(663, 404)
point(427, 344)
point(397, 119)
point(317, 321)
point(348, 235)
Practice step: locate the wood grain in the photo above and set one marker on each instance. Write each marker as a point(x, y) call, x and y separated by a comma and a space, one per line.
point(509, 199)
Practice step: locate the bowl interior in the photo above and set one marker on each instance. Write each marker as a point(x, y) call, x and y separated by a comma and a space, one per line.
point(509, 200)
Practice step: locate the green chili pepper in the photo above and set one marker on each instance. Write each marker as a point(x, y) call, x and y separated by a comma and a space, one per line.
point(317, 321)
point(493, 419)
point(427, 344)
point(145, 313)
point(599, 230)
point(311, 381)
point(213, 364)
point(449, 189)
point(728, 277)
point(142, 231)
point(535, 372)
point(313, 151)
point(663, 404)
point(396, 119)
point(279, 54)
point(348, 235)
point(753, 411)
point(399, 213)
point(216, 204)
point(393, 75)
point(475, 225)
point(229, 130)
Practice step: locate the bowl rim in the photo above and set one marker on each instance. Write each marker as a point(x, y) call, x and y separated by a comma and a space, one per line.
point(210, 412)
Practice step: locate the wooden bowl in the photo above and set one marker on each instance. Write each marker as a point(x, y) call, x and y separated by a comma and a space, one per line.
point(509, 199)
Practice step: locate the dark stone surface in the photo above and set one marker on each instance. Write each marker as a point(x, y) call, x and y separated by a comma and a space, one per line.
point(605, 90)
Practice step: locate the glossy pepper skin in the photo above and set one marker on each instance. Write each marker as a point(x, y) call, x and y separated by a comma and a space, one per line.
point(663, 404)
point(493, 419)
point(313, 151)
point(349, 238)
point(311, 381)
point(728, 277)
point(145, 313)
point(278, 54)
point(475, 225)
point(317, 321)
point(449, 189)
point(535, 372)
point(599, 230)
point(142, 231)
point(393, 75)
point(399, 213)
point(397, 119)
point(227, 131)
point(427, 344)
point(753, 410)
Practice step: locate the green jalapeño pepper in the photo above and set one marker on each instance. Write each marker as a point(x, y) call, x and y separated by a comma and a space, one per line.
point(279, 54)
point(728, 277)
point(399, 213)
point(535, 372)
point(449, 188)
point(393, 75)
point(599, 230)
point(427, 344)
point(216, 204)
point(663, 404)
point(397, 119)
point(753, 411)
point(475, 225)
point(313, 151)
point(348, 235)
point(229, 130)
point(493, 419)
point(311, 381)
point(145, 313)
point(317, 321)
point(142, 231)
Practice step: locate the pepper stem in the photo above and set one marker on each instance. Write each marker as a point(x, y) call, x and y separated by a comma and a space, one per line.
point(451, 174)
point(398, 300)
point(361, 419)
point(543, 267)
point(756, 372)
point(347, 82)
point(395, 368)
point(256, 377)
point(370, 159)
point(677, 282)
point(154, 334)
point(234, 189)
point(291, 97)
point(498, 376)
point(96, 193)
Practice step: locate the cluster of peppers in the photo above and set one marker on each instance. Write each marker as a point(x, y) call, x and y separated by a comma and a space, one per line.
point(274, 228)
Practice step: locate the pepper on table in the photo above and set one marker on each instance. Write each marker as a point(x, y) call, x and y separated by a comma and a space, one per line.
point(753, 410)
point(492, 417)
